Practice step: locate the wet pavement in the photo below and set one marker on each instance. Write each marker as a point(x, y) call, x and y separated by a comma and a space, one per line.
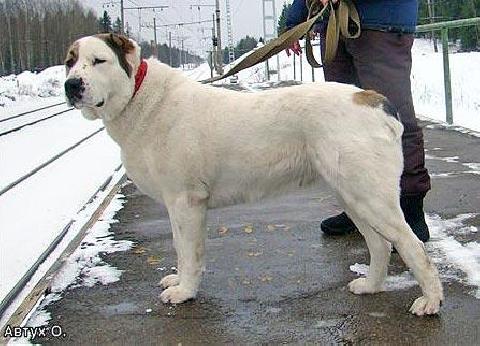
point(272, 277)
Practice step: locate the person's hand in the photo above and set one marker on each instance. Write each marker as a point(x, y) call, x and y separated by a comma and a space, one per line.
point(295, 47)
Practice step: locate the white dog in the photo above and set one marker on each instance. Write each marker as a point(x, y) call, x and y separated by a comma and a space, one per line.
point(194, 146)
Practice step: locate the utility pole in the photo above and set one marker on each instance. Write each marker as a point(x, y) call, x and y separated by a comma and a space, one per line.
point(139, 8)
point(214, 44)
point(155, 52)
point(181, 55)
point(201, 29)
point(431, 14)
point(210, 54)
point(122, 15)
point(231, 48)
point(139, 25)
point(268, 35)
point(170, 47)
point(275, 34)
point(185, 54)
point(219, 39)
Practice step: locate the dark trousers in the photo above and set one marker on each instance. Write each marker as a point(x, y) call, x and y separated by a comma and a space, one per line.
point(382, 61)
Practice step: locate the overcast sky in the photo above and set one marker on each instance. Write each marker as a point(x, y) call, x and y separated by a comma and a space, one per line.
point(247, 19)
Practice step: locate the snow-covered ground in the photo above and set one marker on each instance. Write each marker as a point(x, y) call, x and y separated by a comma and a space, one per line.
point(30, 91)
point(84, 266)
point(35, 211)
point(428, 86)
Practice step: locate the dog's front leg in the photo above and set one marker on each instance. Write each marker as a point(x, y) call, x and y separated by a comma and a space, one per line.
point(188, 220)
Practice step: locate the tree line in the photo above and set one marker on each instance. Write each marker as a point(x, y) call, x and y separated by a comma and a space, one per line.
point(441, 10)
point(35, 34)
point(445, 10)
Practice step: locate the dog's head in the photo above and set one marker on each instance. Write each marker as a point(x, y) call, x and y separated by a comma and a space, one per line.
point(101, 74)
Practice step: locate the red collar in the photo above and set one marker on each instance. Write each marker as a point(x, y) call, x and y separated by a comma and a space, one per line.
point(140, 76)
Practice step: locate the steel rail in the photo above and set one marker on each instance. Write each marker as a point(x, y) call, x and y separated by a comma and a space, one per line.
point(35, 122)
point(45, 164)
point(31, 111)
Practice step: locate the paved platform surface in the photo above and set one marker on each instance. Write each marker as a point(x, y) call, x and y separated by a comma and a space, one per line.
point(283, 282)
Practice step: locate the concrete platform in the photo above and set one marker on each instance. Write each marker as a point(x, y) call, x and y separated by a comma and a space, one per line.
point(278, 281)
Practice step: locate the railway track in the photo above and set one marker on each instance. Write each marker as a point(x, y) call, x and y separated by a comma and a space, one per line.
point(19, 115)
point(111, 186)
point(30, 122)
point(11, 124)
point(48, 162)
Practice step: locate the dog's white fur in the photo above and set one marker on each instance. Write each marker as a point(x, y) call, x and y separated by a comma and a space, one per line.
point(194, 146)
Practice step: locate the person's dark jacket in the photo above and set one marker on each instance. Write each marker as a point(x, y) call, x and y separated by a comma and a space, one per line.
point(382, 15)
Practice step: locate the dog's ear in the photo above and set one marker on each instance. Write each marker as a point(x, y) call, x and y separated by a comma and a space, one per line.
point(122, 42)
point(127, 51)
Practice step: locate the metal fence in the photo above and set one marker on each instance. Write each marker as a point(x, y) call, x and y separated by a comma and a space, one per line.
point(443, 27)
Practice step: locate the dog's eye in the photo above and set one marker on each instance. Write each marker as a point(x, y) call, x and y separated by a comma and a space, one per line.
point(99, 61)
point(70, 63)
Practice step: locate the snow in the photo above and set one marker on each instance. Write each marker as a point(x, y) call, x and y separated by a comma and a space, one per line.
point(84, 267)
point(28, 88)
point(35, 211)
point(464, 256)
point(428, 86)
point(33, 145)
point(80, 220)
point(471, 167)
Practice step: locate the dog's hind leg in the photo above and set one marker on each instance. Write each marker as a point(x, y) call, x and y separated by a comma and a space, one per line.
point(381, 210)
point(380, 250)
point(188, 221)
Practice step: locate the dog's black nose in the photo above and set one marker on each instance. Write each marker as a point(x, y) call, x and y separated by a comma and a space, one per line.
point(74, 88)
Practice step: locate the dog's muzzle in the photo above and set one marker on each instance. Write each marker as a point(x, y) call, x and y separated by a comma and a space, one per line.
point(74, 89)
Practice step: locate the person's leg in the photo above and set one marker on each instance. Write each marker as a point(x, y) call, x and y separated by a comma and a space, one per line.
point(340, 70)
point(383, 63)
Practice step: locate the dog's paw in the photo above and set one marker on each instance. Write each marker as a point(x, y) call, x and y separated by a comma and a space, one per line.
point(363, 286)
point(425, 306)
point(170, 280)
point(176, 295)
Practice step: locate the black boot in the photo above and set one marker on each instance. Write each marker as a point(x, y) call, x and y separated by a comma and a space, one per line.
point(412, 207)
point(338, 225)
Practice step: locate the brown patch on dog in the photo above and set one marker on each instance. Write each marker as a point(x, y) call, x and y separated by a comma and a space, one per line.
point(121, 46)
point(72, 56)
point(375, 100)
point(369, 98)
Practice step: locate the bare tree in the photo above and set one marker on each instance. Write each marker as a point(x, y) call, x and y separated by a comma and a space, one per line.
point(36, 33)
